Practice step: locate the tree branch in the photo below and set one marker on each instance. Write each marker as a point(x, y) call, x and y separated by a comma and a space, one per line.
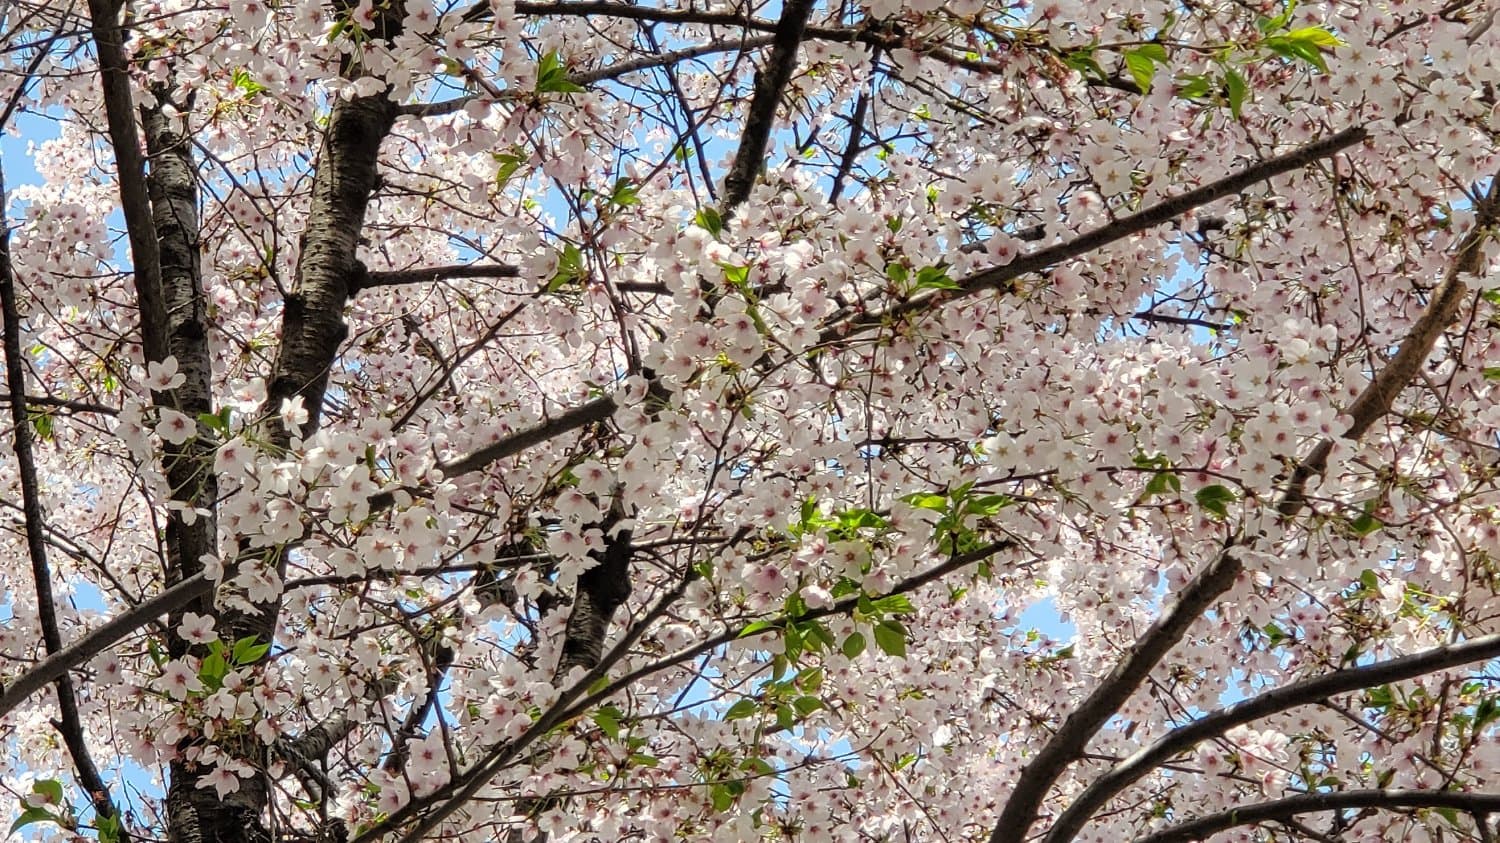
point(596, 410)
point(1271, 702)
point(1283, 809)
point(600, 74)
point(431, 274)
point(1067, 743)
point(135, 203)
point(770, 83)
point(69, 723)
point(999, 277)
point(574, 702)
point(97, 641)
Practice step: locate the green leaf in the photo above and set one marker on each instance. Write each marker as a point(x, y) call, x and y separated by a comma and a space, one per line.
point(987, 504)
point(935, 278)
point(34, 815)
point(607, 718)
point(890, 637)
point(759, 766)
point(756, 628)
point(742, 709)
point(1306, 45)
point(1216, 499)
point(1236, 89)
point(792, 640)
point(786, 718)
point(806, 706)
point(624, 194)
point(1142, 65)
point(50, 788)
point(737, 276)
point(853, 645)
point(895, 604)
point(817, 637)
point(1317, 36)
point(213, 670)
point(927, 500)
point(245, 82)
point(1162, 482)
point(1269, 25)
point(722, 796)
point(552, 77)
point(1492, 373)
point(507, 163)
point(1083, 61)
point(248, 653)
point(570, 269)
point(41, 422)
point(709, 220)
point(111, 830)
point(1194, 86)
point(1366, 524)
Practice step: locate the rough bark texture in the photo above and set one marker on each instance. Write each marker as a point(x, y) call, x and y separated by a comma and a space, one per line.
point(1068, 743)
point(602, 590)
point(173, 185)
point(69, 723)
point(195, 814)
point(313, 326)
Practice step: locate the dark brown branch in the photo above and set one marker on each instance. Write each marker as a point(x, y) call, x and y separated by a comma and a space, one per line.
point(63, 404)
point(69, 723)
point(602, 590)
point(1271, 702)
point(770, 83)
point(999, 277)
point(1186, 321)
point(600, 74)
point(97, 641)
point(574, 701)
point(1478, 804)
point(1067, 743)
point(135, 203)
point(432, 274)
point(596, 410)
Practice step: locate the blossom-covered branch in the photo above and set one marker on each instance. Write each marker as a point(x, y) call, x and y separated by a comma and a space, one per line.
point(1480, 805)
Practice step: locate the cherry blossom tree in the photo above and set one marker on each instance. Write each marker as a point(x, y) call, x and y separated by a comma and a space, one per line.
point(563, 420)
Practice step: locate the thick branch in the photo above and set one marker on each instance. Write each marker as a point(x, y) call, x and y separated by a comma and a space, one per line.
point(999, 277)
point(596, 410)
point(93, 643)
point(119, 111)
point(1277, 700)
point(770, 82)
point(1478, 804)
point(1067, 743)
point(574, 701)
point(70, 722)
point(432, 274)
